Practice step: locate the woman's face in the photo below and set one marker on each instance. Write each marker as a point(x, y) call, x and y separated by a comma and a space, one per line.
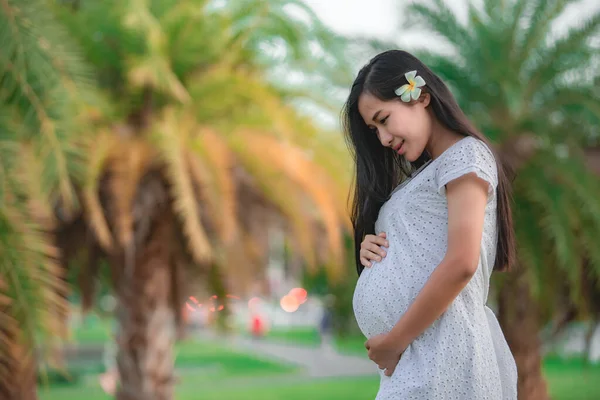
point(403, 127)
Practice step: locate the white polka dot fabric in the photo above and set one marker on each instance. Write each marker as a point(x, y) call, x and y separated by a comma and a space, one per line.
point(463, 355)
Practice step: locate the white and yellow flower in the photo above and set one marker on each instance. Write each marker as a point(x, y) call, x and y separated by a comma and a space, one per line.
point(412, 90)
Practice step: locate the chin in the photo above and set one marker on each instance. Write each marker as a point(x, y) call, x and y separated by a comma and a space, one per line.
point(411, 157)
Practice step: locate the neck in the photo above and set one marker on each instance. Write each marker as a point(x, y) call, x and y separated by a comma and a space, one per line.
point(441, 139)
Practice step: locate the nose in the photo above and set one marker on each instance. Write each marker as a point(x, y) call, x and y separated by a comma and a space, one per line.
point(385, 138)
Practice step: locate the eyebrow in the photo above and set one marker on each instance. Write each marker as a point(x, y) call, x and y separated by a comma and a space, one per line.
point(376, 115)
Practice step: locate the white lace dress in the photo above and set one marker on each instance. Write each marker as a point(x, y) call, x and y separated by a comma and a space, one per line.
point(463, 355)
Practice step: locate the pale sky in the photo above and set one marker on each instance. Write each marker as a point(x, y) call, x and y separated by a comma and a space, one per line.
point(368, 17)
point(382, 19)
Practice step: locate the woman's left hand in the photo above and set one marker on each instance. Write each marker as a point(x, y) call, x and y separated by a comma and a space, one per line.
point(383, 354)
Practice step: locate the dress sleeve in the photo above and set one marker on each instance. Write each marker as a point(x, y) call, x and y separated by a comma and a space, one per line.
point(470, 155)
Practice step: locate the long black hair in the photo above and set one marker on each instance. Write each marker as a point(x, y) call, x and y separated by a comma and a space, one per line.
point(378, 170)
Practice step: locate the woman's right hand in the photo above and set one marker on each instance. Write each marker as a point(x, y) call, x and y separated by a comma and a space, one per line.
point(370, 249)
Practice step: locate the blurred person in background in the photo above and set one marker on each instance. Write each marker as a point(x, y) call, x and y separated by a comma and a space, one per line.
point(326, 324)
point(432, 221)
point(257, 326)
point(257, 320)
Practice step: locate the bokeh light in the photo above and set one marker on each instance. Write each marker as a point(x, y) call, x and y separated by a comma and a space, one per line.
point(289, 303)
point(300, 294)
point(253, 303)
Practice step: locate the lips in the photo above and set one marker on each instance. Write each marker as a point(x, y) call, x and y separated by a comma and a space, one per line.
point(399, 148)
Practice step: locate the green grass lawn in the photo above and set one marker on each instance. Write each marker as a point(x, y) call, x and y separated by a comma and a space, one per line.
point(92, 330)
point(310, 337)
point(194, 354)
point(567, 382)
point(302, 336)
point(199, 365)
point(210, 372)
point(338, 389)
point(571, 379)
point(352, 344)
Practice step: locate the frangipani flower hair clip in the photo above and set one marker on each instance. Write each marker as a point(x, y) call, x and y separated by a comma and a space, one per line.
point(412, 90)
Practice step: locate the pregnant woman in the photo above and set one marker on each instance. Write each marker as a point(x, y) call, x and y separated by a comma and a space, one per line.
point(432, 221)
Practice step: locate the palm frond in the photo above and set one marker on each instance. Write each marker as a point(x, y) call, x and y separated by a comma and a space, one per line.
point(172, 132)
point(567, 217)
point(48, 86)
point(29, 174)
point(295, 165)
point(244, 99)
point(153, 68)
point(543, 12)
point(568, 52)
point(214, 151)
point(581, 186)
point(48, 101)
point(187, 24)
point(256, 23)
point(99, 151)
point(515, 16)
point(126, 166)
point(460, 78)
point(283, 194)
point(498, 10)
point(558, 98)
point(440, 19)
point(33, 283)
point(532, 247)
point(105, 43)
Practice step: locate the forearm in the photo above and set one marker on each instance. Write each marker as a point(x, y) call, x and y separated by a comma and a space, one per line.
point(440, 290)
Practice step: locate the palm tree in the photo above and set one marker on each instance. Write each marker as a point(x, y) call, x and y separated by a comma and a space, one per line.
point(197, 156)
point(46, 95)
point(532, 93)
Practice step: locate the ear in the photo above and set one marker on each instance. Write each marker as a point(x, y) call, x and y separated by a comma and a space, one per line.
point(425, 98)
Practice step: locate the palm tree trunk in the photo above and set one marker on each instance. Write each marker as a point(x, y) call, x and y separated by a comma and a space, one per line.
point(26, 383)
point(21, 374)
point(518, 317)
point(147, 320)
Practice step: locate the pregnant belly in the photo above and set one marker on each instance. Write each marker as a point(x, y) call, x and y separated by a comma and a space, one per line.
point(380, 298)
